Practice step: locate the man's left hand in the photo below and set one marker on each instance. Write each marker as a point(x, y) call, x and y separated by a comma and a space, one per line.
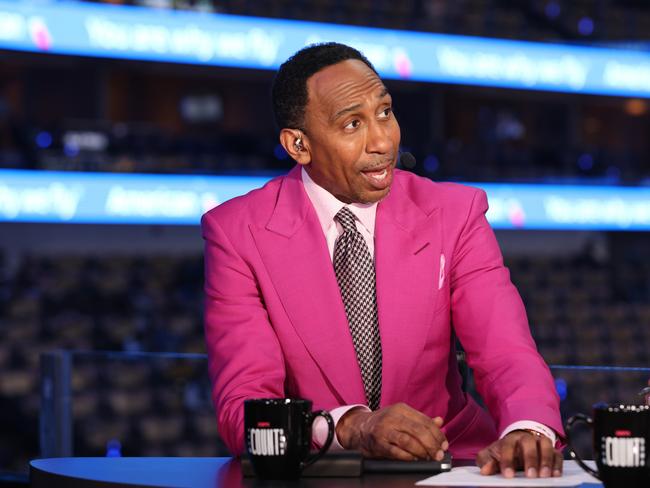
point(521, 449)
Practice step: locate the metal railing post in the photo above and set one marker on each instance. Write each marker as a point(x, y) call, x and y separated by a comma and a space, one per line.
point(55, 428)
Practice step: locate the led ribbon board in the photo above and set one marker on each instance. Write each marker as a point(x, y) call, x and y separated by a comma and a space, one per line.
point(139, 33)
point(109, 198)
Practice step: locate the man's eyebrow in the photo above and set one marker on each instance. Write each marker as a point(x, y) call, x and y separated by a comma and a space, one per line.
point(357, 106)
point(344, 111)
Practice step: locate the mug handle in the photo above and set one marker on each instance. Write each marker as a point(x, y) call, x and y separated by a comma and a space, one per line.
point(328, 442)
point(579, 417)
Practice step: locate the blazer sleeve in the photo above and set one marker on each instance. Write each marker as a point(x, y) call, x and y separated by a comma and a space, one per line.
point(490, 321)
point(244, 356)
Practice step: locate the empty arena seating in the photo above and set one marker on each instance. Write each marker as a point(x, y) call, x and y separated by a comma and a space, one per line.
point(158, 406)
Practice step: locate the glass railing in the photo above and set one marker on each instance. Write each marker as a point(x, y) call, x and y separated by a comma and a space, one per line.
point(158, 404)
point(126, 404)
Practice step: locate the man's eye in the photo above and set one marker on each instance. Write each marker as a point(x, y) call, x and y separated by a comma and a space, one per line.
point(386, 112)
point(353, 124)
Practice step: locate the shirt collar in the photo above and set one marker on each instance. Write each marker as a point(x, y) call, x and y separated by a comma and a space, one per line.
point(327, 206)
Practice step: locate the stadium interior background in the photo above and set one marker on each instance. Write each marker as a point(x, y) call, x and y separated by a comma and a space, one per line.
point(138, 288)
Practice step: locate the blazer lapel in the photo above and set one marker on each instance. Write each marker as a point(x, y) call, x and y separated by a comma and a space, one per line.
point(294, 251)
point(408, 244)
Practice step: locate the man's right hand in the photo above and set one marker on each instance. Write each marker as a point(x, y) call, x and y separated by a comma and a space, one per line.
point(395, 432)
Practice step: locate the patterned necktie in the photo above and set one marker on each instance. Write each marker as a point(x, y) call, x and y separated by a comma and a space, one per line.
point(355, 273)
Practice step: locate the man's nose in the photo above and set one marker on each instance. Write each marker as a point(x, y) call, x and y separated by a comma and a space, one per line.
point(377, 138)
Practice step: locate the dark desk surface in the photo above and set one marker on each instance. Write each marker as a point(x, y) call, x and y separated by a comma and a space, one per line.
point(182, 472)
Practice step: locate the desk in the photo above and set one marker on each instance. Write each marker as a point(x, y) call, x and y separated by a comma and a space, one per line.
point(182, 473)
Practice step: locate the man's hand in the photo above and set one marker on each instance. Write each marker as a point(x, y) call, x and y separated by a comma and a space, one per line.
point(395, 432)
point(521, 450)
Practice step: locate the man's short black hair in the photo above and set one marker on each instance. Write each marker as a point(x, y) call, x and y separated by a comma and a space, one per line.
point(289, 92)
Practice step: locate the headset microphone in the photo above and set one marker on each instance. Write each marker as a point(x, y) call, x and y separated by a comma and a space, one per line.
point(407, 160)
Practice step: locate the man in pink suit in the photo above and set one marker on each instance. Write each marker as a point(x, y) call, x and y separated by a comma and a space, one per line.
point(276, 323)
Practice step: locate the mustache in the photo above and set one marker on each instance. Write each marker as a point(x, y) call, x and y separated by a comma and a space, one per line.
point(385, 163)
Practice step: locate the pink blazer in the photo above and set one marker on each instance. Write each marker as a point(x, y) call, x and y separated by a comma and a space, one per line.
point(275, 323)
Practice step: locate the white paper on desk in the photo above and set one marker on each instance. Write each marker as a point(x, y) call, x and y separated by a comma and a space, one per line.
point(573, 475)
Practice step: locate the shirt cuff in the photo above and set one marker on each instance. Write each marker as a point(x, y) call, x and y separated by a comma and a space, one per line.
point(319, 428)
point(528, 425)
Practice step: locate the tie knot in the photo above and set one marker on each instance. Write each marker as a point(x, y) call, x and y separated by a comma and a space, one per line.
point(347, 219)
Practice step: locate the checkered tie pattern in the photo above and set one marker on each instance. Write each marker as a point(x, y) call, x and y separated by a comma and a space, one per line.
point(355, 273)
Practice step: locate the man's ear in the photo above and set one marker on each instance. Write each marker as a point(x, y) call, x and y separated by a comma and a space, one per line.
point(296, 145)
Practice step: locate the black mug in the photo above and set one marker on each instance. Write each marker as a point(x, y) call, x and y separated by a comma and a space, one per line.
point(278, 436)
point(621, 442)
